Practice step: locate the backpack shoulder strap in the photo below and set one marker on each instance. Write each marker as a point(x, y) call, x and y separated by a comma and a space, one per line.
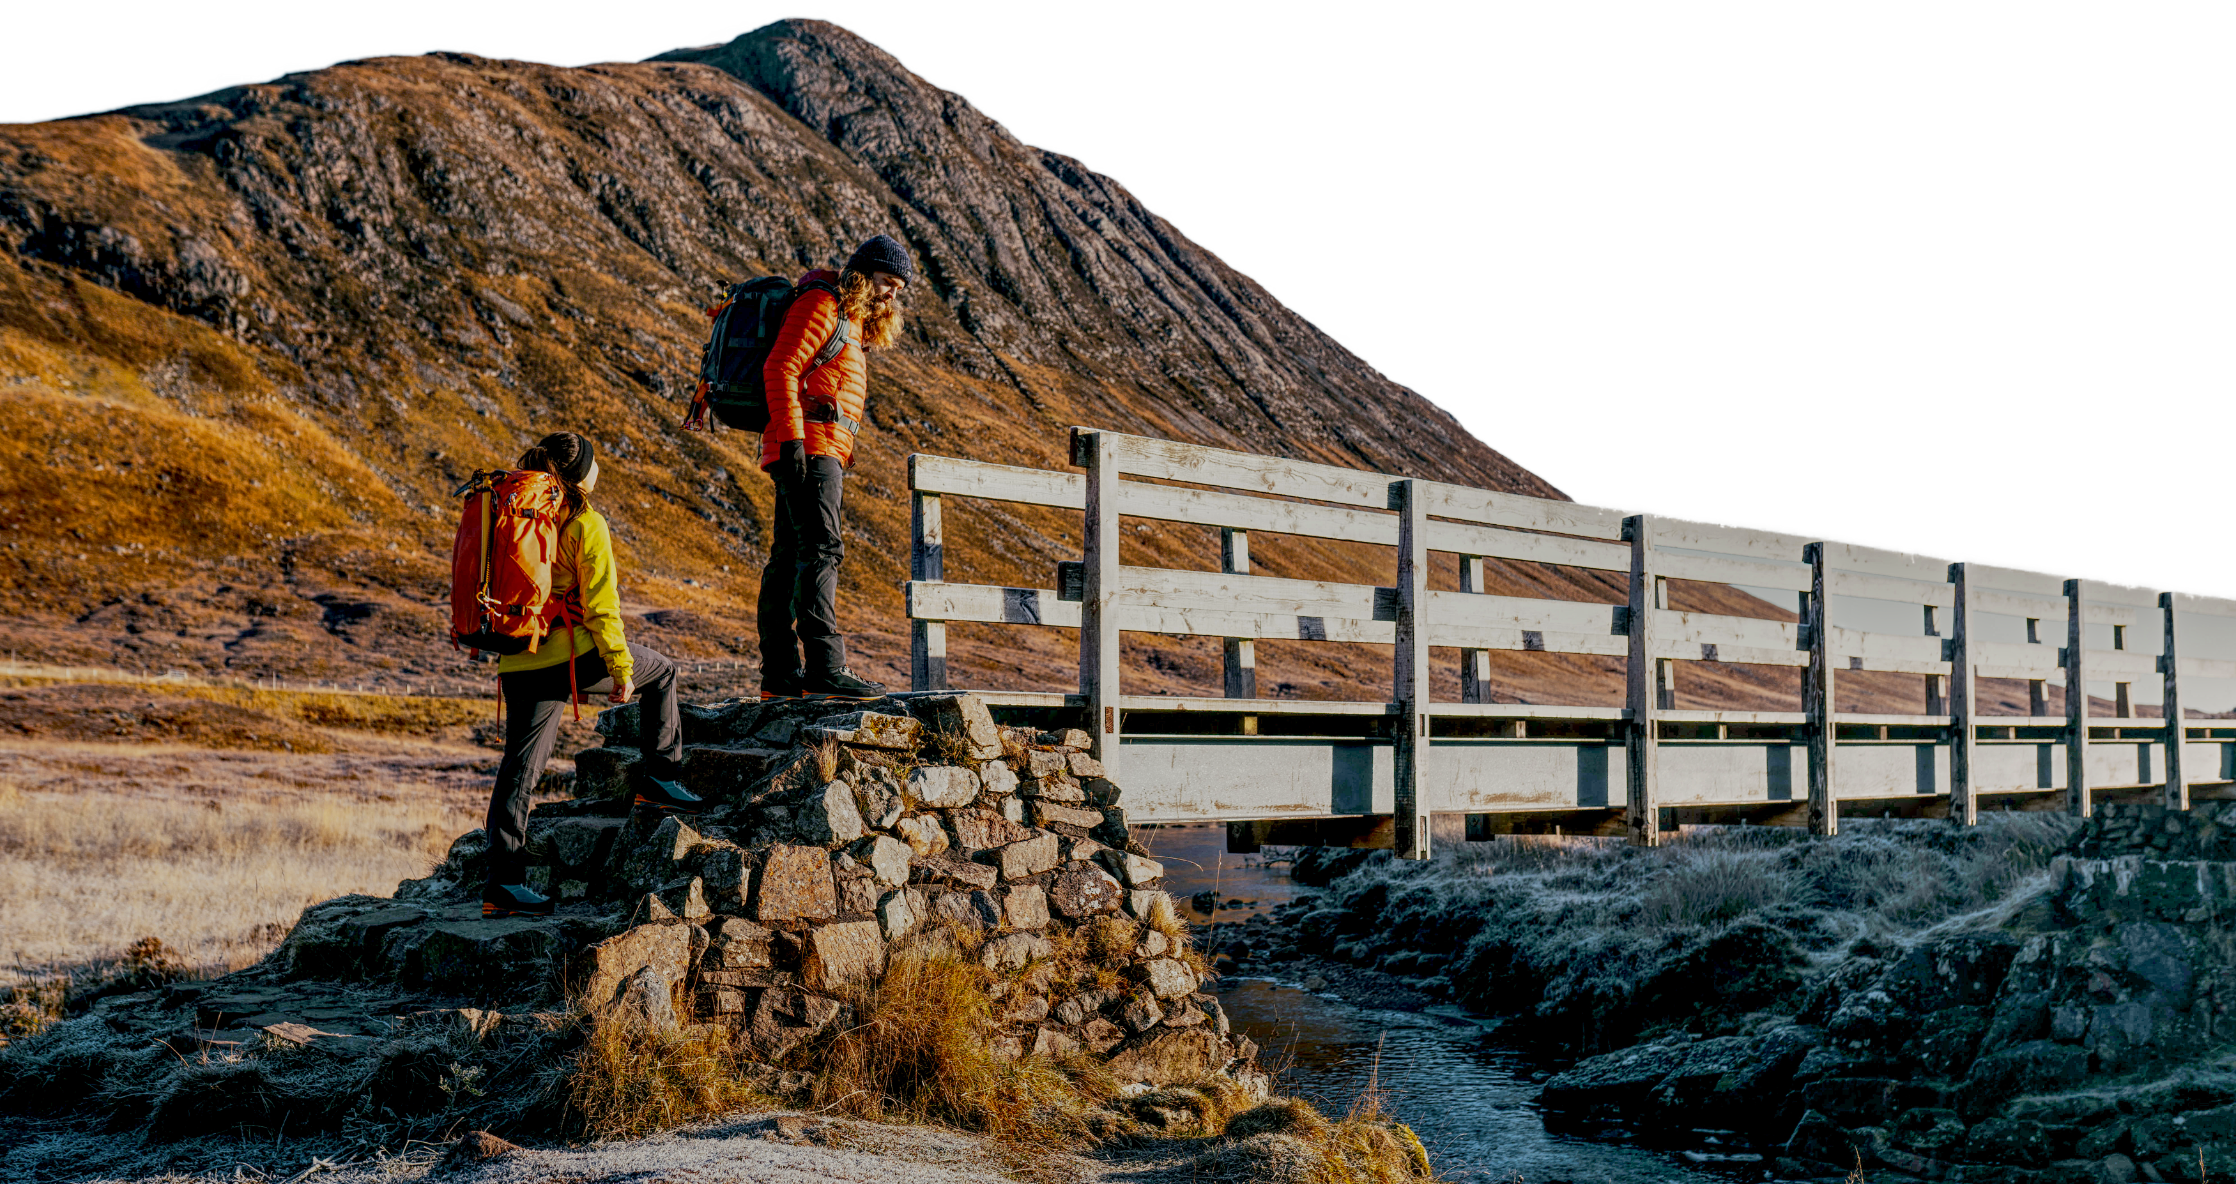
point(832, 347)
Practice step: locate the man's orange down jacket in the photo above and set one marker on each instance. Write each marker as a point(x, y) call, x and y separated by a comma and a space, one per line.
point(801, 410)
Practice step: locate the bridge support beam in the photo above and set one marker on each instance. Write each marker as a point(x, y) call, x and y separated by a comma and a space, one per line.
point(2076, 702)
point(1818, 700)
point(2177, 785)
point(1241, 652)
point(1098, 609)
point(1411, 669)
point(927, 560)
point(1964, 803)
point(1642, 694)
point(1475, 665)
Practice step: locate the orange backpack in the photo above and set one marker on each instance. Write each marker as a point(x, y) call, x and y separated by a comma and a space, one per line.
point(500, 565)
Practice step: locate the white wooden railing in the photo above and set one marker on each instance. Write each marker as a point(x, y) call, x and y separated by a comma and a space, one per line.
point(1134, 476)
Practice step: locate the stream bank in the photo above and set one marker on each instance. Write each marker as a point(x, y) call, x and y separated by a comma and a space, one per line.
point(2030, 1001)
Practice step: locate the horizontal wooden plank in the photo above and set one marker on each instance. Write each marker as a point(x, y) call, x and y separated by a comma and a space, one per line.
point(1027, 698)
point(1898, 721)
point(1895, 565)
point(1728, 540)
point(1888, 652)
point(1467, 539)
point(1206, 507)
point(1484, 507)
point(1200, 704)
point(2211, 606)
point(1469, 609)
point(1204, 621)
point(1694, 651)
point(1002, 483)
point(1698, 629)
point(1878, 587)
point(2049, 608)
point(1162, 587)
point(1550, 641)
point(1725, 569)
point(2010, 579)
point(938, 600)
point(2120, 665)
point(2102, 592)
point(2206, 668)
point(1543, 711)
point(1780, 718)
point(2029, 661)
point(1199, 465)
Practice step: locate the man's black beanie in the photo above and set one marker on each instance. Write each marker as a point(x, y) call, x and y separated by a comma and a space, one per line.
point(883, 254)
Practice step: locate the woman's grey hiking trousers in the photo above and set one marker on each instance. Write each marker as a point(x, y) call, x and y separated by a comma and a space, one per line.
point(798, 608)
point(535, 705)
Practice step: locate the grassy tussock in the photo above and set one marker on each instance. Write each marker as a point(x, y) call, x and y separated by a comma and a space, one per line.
point(1598, 938)
point(82, 874)
point(628, 1080)
point(918, 1051)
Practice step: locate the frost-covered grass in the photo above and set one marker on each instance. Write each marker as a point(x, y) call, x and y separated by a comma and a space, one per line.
point(1602, 942)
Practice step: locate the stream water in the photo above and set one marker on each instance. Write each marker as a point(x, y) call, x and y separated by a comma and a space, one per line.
point(1441, 1071)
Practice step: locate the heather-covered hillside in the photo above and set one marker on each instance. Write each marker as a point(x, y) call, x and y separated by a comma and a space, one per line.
point(249, 341)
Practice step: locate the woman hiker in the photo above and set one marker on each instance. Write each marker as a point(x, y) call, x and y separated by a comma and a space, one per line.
point(538, 690)
point(813, 418)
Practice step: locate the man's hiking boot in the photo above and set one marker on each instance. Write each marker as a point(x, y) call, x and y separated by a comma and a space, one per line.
point(514, 900)
point(667, 795)
point(842, 684)
point(780, 686)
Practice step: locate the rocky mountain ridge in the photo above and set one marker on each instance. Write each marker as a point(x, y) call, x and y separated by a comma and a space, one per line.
point(249, 342)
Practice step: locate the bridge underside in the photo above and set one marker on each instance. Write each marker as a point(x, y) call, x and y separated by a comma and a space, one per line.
point(1305, 778)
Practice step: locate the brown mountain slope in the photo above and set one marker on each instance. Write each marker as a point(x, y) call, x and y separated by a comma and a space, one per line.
point(249, 341)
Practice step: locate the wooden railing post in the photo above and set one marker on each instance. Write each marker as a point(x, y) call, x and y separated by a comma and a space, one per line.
point(1819, 701)
point(1964, 800)
point(1242, 652)
point(2076, 703)
point(2177, 786)
point(1642, 696)
point(1098, 609)
point(1475, 665)
point(1410, 667)
point(927, 640)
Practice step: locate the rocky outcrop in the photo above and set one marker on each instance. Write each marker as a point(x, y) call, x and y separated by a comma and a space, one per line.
point(2081, 1032)
point(770, 913)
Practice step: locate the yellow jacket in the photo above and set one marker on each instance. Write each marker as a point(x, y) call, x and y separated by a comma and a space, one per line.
point(583, 580)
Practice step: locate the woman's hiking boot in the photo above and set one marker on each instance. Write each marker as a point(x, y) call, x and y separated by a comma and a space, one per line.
point(667, 795)
point(514, 900)
point(780, 686)
point(842, 684)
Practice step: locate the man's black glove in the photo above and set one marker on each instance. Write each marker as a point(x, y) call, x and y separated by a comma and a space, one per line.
point(791, 462)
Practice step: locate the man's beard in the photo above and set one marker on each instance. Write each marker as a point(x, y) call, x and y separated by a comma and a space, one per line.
point(882, 327)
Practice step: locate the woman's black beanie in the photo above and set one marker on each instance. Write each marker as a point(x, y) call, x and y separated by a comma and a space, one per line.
point(883, 253)
point(584, 458)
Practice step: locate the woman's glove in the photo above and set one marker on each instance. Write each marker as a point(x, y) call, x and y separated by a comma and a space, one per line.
point(791, 462)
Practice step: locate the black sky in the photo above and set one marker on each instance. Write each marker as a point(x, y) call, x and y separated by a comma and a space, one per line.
point(1897, 284)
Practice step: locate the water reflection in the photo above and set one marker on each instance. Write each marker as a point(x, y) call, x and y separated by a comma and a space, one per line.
point(1438, 1070)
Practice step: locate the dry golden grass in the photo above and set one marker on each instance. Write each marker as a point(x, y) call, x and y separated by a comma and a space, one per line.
point(630, 1080)
point(84, 874)
point(918, 1050)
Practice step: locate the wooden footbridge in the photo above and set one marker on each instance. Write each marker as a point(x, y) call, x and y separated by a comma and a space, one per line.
point(1371, 773)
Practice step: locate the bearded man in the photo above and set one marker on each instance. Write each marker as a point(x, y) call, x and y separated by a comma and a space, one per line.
point(814, 414)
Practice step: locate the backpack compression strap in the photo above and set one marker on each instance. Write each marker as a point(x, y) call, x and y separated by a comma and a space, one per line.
point(830, 350)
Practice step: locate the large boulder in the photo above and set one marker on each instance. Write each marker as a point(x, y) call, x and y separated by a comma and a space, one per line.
point(842, 955)
point(965, 719)
point(601, 970)
point(795, 884)
point(1171, 1057)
